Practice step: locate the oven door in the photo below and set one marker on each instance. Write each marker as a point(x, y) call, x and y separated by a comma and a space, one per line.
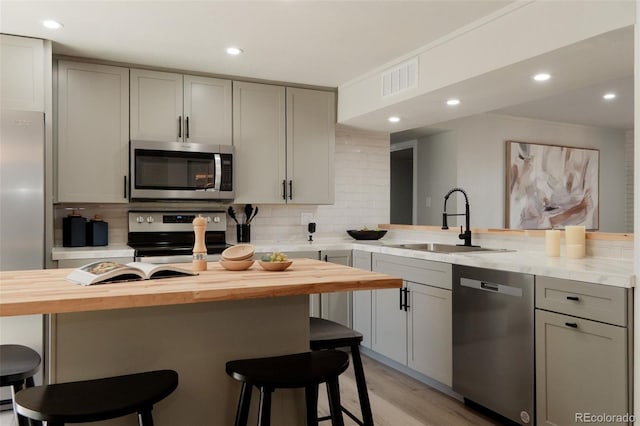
point(187, 171)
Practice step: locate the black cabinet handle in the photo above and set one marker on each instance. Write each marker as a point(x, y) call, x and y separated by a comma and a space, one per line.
point(574, 298)
point(291, 189)
point(179, 126)
point(401, 307)
point(284, 189)
point(406, 299)
point(125, 187)
point(186, 130)
point(571, 324)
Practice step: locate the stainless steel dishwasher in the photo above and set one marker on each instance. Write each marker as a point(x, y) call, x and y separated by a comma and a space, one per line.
point(493, 340)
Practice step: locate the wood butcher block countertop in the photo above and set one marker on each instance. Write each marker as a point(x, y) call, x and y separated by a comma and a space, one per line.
point(47, 291)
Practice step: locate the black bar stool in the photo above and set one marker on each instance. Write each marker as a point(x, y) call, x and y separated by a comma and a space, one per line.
point(99, 399)
point(305, 370)
point(18, 365)
point(325, 334)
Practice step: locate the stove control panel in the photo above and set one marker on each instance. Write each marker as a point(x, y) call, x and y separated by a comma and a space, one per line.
point(174, 221)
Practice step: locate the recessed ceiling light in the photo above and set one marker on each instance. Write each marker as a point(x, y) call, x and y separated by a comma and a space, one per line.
point(453, 102)
point(52, 25)
point(234, 50)
point(394, 119)
point(609, 96)
point(543, 76)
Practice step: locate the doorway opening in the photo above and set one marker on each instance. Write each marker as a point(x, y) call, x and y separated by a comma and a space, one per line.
point(403, 183)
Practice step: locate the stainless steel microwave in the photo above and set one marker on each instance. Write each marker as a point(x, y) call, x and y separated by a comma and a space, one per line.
point(180, 171)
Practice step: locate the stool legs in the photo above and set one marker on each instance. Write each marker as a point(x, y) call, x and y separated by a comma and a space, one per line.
point(334, 403)
point(242, 414)
point(145, 418)
point(264, 414)
point(311, 397)
point(363, 394)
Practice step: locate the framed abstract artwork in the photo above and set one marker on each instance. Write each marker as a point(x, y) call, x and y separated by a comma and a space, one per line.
point(550, 186)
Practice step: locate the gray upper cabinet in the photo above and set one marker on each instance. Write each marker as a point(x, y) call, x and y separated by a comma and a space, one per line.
point(259, 140)
point(172, 107)
point(22, 67)
point(310, 146)
point(284, 141)
point(93, 133)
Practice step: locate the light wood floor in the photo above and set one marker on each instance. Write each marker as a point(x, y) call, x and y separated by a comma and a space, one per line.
point(399, 400)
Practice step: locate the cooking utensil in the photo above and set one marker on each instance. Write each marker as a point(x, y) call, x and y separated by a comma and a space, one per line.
point(232, 213)
point(255, 213)
point(248, 211)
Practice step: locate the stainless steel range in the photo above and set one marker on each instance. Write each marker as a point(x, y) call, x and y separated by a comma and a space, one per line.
point(167, 236)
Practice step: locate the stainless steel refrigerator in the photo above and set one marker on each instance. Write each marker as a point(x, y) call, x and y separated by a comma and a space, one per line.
point(22, 236)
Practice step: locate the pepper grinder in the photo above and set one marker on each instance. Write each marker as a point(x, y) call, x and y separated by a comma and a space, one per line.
point(199, 248)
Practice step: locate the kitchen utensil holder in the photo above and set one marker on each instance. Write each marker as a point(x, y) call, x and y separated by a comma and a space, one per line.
point(243, 233)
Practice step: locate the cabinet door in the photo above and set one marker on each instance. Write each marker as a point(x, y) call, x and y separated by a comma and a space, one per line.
point(22, 66)
point(207, 110)
point(336, 306)
point(429, 332)
point(259, 139)
point(581, 367)
point(389, 327)
point(310, 146)
point(93, 124)
point(361, 312)
point(156, 106)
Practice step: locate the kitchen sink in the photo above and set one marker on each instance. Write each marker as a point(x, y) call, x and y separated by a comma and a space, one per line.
point(444, 248)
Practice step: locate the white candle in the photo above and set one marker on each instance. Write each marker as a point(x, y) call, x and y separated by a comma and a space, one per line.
point(574, 235)
point(552, 242)
point(575, 251)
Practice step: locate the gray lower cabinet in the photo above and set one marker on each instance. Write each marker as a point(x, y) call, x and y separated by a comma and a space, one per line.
point(412, 325)
point(361, 300)
point(336, 306)
point(582, 362)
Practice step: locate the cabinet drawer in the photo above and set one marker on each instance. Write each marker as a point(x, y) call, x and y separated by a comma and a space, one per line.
point(421, 271)
point(593, 301)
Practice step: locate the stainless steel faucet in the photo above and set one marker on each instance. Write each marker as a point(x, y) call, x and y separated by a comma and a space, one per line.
point(466, 235)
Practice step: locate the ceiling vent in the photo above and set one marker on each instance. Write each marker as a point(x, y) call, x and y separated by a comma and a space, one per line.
point(400, 78)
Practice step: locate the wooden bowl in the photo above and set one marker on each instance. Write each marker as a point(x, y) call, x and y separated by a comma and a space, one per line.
point(236, 265)
point(275, 266)
point(238, 252)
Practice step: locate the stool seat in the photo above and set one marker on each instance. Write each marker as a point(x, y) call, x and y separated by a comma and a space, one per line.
point(17, 363)
point(304, 370)
point(326, 335)
point(95, 400)
point(289, 371)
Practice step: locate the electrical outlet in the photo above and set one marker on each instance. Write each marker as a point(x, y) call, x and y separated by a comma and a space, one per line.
point(427, 202)
point(305, 218)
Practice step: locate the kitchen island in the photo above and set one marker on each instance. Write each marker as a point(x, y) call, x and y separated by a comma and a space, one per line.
point(193, 325)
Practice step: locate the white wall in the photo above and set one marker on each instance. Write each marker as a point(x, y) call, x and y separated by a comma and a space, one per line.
point(437, 174)
point(480, 144)
point(629, 168)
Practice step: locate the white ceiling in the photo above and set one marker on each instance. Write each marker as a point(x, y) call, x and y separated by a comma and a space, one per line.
point(328, 43)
